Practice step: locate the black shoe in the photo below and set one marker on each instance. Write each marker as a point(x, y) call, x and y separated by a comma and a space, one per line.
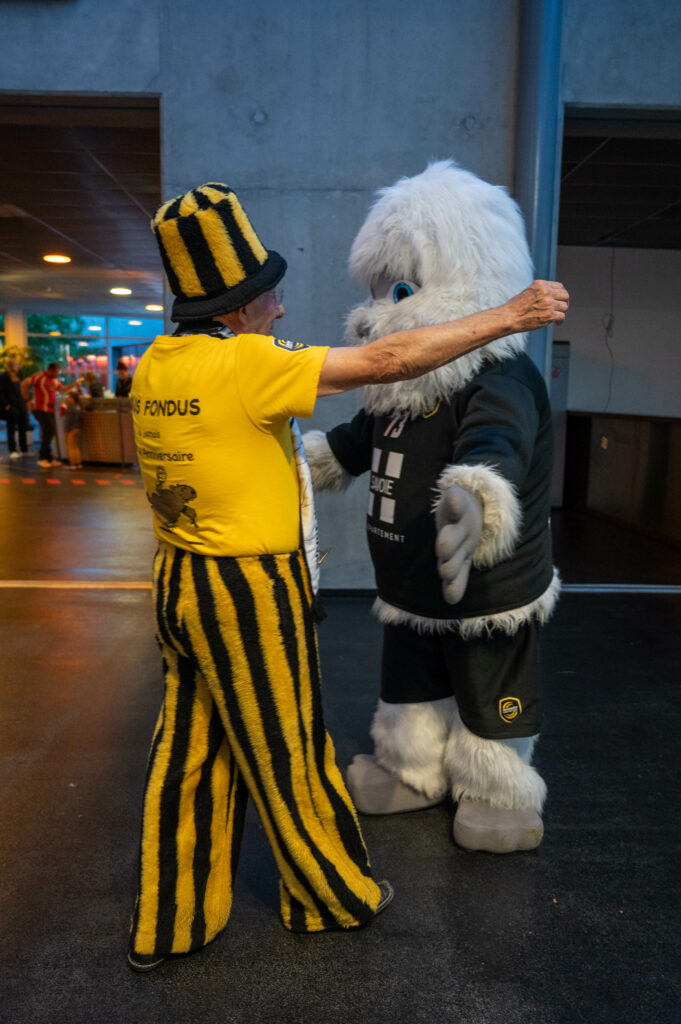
point(387, 893)
point(144, 961)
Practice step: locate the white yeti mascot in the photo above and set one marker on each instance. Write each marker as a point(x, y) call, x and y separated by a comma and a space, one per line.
point(458, 520)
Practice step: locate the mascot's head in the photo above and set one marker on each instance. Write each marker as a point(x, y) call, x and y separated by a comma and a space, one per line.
point(436, 247)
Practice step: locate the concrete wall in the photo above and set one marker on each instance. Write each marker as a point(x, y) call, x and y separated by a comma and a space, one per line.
point(622, 53)
point(646, 336)
point(81, 46)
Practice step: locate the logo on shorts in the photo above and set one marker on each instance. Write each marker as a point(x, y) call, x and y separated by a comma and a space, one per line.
point(290, 346)
point(510, 708)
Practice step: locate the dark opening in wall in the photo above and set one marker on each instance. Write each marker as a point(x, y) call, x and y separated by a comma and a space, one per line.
point(80, 176)
point(621, 179)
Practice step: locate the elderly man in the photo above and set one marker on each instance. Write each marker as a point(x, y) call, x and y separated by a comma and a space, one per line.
point(235, 581)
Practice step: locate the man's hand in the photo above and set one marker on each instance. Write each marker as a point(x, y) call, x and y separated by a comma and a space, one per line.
point(459, 525)
point(541, 304)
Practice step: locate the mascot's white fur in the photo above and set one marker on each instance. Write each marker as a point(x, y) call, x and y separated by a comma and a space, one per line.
point(460, 463)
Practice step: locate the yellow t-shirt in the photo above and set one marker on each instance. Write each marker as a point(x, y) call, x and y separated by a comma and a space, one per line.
point(214, 442)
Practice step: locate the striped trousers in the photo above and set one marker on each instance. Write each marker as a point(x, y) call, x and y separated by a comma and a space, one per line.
point(242, 716)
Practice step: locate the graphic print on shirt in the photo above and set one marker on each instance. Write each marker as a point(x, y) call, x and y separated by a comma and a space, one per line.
point(396, 425)
point(169, 503)
point(399, 498)
point(386, 470)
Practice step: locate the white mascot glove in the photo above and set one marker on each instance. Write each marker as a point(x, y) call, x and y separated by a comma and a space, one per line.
point(459, 525)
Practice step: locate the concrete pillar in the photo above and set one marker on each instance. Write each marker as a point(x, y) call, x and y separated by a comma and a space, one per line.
point(539, 140)
point(15, 328)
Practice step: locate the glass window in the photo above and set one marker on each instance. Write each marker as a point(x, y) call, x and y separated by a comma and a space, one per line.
point(55, 324)
point(130, 354)
point(90, 344)
point(135, 328)
point(53, 337)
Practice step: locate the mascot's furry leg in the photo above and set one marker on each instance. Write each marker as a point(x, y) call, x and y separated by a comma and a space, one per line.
point(407, 771)
point(500, 795)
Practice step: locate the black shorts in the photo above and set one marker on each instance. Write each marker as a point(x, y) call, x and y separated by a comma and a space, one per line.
point(494, 678)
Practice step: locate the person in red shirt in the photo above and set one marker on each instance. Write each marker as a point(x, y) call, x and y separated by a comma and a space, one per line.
point(45, 387)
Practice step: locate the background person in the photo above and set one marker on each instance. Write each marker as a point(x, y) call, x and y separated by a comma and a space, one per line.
point(93, 384)
point(124, 380)
point(45, 386)
point(225, 474)
point(13, 408)
point(73, 422)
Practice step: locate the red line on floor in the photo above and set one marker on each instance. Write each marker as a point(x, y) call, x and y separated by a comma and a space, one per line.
point(128, 483)
point(4, 480)
point(27, 480)
point(50, 481)
point(104, 483)
point(78, 482)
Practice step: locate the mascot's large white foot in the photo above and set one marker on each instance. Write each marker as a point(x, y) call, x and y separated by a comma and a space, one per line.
point(407, 773)
point(377, 791)
point(479, 826)
point(500, 794)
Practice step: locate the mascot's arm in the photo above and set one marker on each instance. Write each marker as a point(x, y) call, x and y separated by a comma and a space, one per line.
point(492, 454)
point(342, 454)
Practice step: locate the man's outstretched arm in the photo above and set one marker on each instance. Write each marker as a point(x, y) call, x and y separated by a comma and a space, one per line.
point(407, 354)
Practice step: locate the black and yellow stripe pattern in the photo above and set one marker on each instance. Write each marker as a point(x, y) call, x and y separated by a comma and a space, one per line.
point(242, 715)
point(213, 259)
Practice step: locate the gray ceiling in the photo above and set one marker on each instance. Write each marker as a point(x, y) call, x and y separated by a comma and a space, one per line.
point(79, 176)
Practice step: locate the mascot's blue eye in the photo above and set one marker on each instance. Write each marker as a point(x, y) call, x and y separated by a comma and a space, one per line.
point(402, 290)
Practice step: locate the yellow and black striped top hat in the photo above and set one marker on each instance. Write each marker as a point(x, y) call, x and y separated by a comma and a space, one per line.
point(214, 261)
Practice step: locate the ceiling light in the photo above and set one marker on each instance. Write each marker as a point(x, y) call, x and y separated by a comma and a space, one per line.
point(94, 327)
point(55, 334)
point(154, 309)
point(56, 258)
point(83, 344)
point(135, 323)
point(121, 291)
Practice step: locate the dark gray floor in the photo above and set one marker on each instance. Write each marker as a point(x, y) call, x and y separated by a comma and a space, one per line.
point(585, 929)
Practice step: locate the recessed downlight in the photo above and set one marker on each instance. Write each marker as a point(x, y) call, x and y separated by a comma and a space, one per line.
point(121, 291)
point(154, 309)
point(94, 327)
point(135, 323)
point(56, 257)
